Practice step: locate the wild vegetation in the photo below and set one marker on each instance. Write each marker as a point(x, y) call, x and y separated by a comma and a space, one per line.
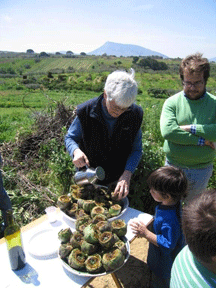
point(39, 95)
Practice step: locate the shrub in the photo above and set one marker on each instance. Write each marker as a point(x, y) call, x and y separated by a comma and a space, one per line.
point(27, 66)
point(32, 86)
point(161, 93)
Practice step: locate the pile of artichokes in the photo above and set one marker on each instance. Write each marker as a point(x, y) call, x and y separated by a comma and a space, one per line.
point(96, 246)
point(89, 200)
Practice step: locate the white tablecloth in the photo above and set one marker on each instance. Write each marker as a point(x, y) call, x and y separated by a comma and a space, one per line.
point(46, 272)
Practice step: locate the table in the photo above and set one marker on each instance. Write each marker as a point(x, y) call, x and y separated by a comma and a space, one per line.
point(49, 272)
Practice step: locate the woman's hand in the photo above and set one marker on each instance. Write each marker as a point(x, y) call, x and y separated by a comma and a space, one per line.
point(80, 159)
point(122, 187)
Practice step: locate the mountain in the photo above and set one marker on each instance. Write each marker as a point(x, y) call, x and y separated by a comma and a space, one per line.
point(212, 59)
point(117, 49)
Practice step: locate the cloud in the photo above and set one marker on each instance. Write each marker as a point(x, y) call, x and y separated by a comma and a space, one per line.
point(143, 7)
point(6, 18)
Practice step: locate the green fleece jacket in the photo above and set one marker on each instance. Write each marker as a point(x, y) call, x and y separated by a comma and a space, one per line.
point(182, 147)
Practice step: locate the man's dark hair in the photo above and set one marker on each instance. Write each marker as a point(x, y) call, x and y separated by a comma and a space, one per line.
point(199, 225)
point(193, 64)
point(169, 180)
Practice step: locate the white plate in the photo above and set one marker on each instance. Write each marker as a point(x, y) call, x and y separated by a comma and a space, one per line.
point(44, 243)
point(124, 208)
point(86, 274)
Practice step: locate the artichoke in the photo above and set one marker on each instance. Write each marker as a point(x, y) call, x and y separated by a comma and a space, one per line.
point(116, 238)
point(88, 205)
point(106, 212)
point(80, 202)
point(113, 259)
point(122, 246)
point(98, 218)
point(97, 210)
point(100, 202)
point(115, 210)
point(64, 202)
point(72, 210)
point(82, 227)
point(76, 190)
point(80, 213)
point(77, 259)
point(106, 239)
point(75, 195)
point(64, 235)
point(93, 264)
point(74, 187)
point(119, 227)
point(88, 248)
point(82, 220)
point(91, 234)
point(64, 250)
point(76, 239)
point(103, 226)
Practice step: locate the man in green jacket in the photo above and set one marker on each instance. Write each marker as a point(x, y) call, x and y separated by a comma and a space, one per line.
point(188, 125)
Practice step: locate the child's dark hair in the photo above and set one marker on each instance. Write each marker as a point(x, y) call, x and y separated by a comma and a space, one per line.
point(169, 180)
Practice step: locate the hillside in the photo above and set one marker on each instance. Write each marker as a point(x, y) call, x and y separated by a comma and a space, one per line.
point(117, 49)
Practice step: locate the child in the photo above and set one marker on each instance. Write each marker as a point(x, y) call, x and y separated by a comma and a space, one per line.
point(168, 185)
point(195, 265)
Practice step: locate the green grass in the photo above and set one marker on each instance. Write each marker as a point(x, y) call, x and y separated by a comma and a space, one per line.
point(13, 121)
point(19, 103)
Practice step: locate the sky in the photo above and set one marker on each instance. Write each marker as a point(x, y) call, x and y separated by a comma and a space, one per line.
point(174, 28)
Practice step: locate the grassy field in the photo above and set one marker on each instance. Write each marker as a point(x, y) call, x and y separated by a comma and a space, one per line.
point(31, 90)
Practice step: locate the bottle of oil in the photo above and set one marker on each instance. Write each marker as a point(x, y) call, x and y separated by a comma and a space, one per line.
point(13, 239)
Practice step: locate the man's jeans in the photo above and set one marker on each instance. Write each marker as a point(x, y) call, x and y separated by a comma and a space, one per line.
point(197, 179)
point(5, 202)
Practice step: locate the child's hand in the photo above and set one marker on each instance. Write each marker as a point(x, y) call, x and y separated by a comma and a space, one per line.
point(139, 228)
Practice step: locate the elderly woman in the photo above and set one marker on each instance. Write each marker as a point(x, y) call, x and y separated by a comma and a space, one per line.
point(107, 132)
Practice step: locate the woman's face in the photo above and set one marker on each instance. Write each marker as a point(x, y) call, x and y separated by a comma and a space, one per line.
point(114, 110)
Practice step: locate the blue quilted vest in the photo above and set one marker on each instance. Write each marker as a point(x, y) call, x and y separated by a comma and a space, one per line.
point(109, 153)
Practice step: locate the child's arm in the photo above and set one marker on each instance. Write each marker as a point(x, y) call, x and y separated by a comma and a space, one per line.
point(140, 229)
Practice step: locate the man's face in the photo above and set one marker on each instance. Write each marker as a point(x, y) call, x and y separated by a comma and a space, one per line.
point(194, 85)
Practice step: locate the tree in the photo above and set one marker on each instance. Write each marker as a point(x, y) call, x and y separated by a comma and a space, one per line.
point(135, 59)
point(58, 53)
point(69, 53)
point(30, 51)
point(152, 64)
point(43, 54)
point(83, 53)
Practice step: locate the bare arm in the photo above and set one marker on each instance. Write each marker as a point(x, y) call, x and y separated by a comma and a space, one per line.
point(140, 229)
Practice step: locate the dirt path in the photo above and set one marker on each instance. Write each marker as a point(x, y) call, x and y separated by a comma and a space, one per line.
point(134, 274)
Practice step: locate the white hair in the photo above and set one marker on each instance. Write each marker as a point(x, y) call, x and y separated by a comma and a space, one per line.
point(121, 87)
